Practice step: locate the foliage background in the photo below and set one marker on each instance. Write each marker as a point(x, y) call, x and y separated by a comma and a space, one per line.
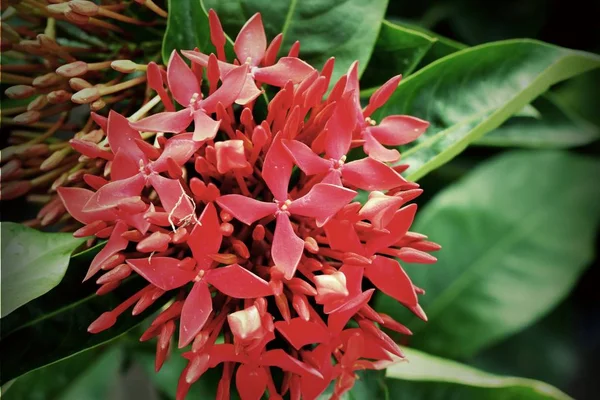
point(469, 204)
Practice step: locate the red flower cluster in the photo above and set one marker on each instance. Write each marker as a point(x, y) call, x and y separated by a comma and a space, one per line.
point(267, 257)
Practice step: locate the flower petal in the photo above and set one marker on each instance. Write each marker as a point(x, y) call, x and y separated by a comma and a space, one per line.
point(195, 312)
point(287, 248)
point(109, 195)
point(246, 209)
point(370, 174)
point(121, 136)
point(381, 95)
point(182, 81)
point(305, 158)
point(338, 319)
point(204, 126)
point(173, 122)
point(286, 69)
point(299, 332)
point(279, 358)
point(179, 148)
point(238, 282)
point(172, 197)
point(389, 277)
point(202, 59)
point(162, 272)
point(397, 228)
point(339, 128)
point(249, 91)
point(397, 130)
point(206, 237)
point(251, 381)
point(74, 199)
point(124, 166)
point(380, 209)
point(114, 244)
point(228, 92)
point(322, 202)
point(277, 169)
point(342, 236)
point(251, 42)
point(376, 150)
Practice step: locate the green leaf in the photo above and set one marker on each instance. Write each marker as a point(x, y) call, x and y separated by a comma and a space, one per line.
point(469, 93)
point(429, 377)
point(325, 28)
point(556, 127)
point(33, 262)
point(54, 326)
point(398, 50)
point(516, 234)
point(187, 28)
point(580, 95)
point(89, 375)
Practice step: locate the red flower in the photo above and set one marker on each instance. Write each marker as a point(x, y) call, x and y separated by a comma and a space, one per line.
point(222, 223)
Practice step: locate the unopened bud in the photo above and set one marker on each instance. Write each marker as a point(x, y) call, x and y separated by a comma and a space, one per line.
point(12, 190)
point(311, 245)
point(76, 18)
point(124, 66)
point(58, 96)
point(38, 103)
point(19, 92)
point(26, 118)
point(73, 69)
point(86, 96)
point(97, 105)
point(84, 7)
point(158, 241)
point(53, 161)
point(225, 258)
point(103, 322)
point(58, 9)
point(47, 80)
point(79, 84)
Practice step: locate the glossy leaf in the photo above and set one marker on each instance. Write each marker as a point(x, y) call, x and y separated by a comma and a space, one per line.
point(398, 50)
point(33, 262)
point(326, 28)
point(429, 377)
point(471, 92)
point(556, 127)
point(89, 375)
point(514, 243)
point(54, 326)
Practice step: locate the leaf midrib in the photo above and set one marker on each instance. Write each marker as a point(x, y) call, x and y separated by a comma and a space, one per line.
point(525, 224)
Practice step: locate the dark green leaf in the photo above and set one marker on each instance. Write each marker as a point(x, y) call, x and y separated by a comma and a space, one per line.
point(556, 127)
point(325, 28)
point(398, 50)
point(429, 377)
point(54, 326)
point(516, 234)
point(580, 95)
point(33, 262)
point(469, 93)
point(89, 375)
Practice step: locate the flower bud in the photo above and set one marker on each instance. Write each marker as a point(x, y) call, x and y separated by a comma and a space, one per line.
point(84, 7)
point(18, 92)
point(85, 96)
point(124, 66)
point(73, 69)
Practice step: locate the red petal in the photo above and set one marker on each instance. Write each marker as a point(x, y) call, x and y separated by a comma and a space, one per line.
point(202, 59)
point(173, 122)
point(376, 150)
point(230, 155)
point(338, 319)
point(204, 126)
point(397, 130)
point(228, 93)
point(251, 382)
point(354, 277)
point(272, 50)
point(100, 120)
point(279, 358)
point(370, 174)
point(121, 137)
point(381, 95)
point(162, 272)
point(246, 209)
point(352, 85)
point(90, 149)
point(251, 42)
point(342, 236)
point(286, 69)
point(238, 282)
point(390, 278)
point(114, 244)
point(322, 202)
point(225, 352)
point(124, 166)
point(206, 237)
point(299, 332)
point(109, 195)
point(277, 169)
point(340, 127)
point(305, 158)
point(172, 197)
point(287, 248)
point(74, 199)
point(249, 91)
point(380, 209)
point(178, 148)
point(138, 221)
point(196, 310)
point(182, 81)
point(397, 228)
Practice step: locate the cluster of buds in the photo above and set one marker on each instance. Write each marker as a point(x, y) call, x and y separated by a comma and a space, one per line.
point(249, 223)
point(54, 58)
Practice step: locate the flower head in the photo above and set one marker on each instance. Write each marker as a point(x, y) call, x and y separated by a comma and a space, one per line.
point(248, 223)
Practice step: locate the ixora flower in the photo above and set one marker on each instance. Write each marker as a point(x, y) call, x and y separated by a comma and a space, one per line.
point(248, 227)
